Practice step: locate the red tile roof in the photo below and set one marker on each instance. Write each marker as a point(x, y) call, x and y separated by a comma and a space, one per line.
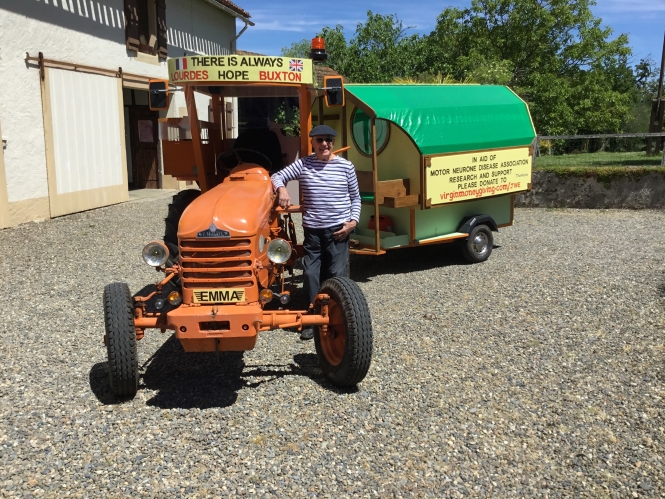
point(233, 7)
point(322, 71)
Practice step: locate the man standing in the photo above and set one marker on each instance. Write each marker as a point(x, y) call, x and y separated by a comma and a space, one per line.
point(331, 209)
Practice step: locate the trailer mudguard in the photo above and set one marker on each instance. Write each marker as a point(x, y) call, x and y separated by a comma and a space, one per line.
point(468, 223)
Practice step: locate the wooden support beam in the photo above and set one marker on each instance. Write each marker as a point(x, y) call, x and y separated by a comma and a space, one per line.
point(402, 201)
point(657, 108)
point(196, 137)
point(217, 129)
point(375, 172)
point(305, 101)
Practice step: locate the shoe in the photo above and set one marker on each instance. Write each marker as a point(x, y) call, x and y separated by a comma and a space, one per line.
point(307, 333)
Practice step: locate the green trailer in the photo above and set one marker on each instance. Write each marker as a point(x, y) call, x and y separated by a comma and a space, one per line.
point(435, 163)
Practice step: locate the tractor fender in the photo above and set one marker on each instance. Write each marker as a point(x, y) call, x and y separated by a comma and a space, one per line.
point(468, 223)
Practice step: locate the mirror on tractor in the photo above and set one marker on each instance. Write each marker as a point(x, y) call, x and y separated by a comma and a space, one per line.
point(334, 86)
point(159, 97)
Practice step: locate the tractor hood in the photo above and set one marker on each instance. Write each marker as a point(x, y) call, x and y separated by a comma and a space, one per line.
point(239, 207)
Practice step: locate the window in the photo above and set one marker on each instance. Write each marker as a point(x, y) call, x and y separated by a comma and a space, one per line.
point(361, 132)
point(146, 26)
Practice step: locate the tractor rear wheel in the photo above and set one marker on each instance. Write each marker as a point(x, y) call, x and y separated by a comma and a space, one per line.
point(123, 360)
point(180, 202)
point(345, 349)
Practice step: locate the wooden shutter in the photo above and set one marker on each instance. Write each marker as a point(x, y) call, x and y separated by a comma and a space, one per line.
point(132, 26)
point(161, 28)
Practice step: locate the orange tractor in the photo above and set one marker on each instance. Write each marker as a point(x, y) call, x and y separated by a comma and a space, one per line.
point(227, 247)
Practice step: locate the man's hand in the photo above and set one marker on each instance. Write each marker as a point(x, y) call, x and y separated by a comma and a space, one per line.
point(283, 198)
point(344, 232)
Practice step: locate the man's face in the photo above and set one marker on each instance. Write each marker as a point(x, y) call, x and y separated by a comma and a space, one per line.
point(323, 146)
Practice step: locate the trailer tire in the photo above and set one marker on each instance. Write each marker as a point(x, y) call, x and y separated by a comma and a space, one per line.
point(120, 341)
point(345, 350)
point(478, 246)
point(177, 207)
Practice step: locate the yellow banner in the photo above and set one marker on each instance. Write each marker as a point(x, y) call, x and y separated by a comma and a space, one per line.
point(460, 177)
point(240, 69)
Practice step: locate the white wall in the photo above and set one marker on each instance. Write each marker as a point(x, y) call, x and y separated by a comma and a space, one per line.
point(195, 26)
point(74, 31)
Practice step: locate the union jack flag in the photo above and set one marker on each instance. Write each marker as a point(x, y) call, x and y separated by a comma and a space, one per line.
point(295, 65)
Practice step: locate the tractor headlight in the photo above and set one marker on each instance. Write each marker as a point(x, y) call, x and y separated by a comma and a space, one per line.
point(279, 251)
point(155, 253)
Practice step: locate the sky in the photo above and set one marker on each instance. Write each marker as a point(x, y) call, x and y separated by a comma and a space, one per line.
point(279, 23)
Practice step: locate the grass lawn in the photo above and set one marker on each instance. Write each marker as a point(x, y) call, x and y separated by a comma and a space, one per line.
point(596, 159)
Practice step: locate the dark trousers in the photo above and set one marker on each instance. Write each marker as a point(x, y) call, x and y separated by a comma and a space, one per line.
point(324, 258)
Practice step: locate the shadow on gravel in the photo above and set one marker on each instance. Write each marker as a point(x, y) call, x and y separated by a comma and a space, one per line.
point(199, 380)
point(406, 260)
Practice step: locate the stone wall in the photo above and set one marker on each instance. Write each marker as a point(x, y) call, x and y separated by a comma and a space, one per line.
point(631, 192)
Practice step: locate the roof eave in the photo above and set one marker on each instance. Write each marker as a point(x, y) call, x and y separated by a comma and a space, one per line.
point(230, 11)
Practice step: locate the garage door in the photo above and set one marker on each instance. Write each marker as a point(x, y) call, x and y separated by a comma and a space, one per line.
point(85, 145)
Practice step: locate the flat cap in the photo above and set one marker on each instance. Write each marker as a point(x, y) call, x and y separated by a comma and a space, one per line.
point(323, 130)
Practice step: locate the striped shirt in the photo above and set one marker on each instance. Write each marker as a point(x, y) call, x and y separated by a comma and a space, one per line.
point(329, 190)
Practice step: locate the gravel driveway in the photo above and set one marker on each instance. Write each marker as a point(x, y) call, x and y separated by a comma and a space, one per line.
point(539, 373)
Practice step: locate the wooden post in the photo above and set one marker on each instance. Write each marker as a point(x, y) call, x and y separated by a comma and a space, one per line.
point(321, 111)
point(305, 102)
point(375, 172)
point(218, 129)
point(224, 123)
point(345, 154)
point(196, 136)
point(657, 108)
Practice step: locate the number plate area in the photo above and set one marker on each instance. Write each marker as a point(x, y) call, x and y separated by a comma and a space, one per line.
point(219, 295)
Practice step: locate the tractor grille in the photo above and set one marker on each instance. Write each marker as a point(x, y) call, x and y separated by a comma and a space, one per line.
point(223, 263)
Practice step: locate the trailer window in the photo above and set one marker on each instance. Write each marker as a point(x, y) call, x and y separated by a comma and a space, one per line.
point(362, 133)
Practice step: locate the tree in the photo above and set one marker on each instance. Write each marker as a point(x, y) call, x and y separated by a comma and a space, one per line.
point(379, 51)
point(646, 89)
point(554, 53)
point(299, 49)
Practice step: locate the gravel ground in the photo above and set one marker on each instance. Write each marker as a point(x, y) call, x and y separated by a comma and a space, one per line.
point(539, 373)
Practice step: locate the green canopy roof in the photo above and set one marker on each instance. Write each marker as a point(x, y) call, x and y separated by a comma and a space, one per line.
point(451, 118)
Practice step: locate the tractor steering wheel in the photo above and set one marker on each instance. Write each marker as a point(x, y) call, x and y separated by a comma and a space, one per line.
point(234, 157)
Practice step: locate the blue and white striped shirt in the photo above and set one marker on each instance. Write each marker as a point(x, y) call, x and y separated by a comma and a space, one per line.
point(329, 190)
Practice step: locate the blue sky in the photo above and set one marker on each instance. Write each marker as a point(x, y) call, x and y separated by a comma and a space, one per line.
point(282, 22)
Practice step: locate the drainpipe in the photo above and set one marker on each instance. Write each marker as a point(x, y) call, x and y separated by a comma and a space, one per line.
point(233, 41)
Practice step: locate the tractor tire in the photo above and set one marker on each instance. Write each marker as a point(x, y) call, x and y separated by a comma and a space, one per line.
point(345, 350)
point(177, 207)
point(478, 246)
point(123, 361)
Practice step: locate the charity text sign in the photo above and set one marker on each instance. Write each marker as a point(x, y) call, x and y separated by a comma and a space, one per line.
point(460, 177)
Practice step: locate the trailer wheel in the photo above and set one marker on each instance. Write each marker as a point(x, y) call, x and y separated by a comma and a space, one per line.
point(478, 246)
point(121, 348)
point(345, 350)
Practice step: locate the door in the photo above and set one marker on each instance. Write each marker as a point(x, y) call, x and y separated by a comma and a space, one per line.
point(85, 142)
point(144, 144)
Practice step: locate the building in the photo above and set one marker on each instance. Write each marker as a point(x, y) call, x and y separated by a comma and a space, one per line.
point(76, 129)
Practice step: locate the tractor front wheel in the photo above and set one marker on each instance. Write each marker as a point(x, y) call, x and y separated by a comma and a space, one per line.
point(345, 348)
point(121, 340)
point(177, 207)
